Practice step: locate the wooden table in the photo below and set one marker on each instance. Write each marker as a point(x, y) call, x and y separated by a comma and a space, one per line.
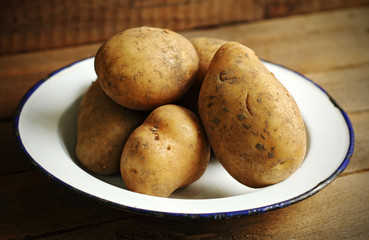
point(331, 48)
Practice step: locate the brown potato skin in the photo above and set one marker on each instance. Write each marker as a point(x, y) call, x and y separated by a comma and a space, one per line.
point(205, 48)
point(168, 151)
point(102, 129)
point(252, 122)
point(143, 68)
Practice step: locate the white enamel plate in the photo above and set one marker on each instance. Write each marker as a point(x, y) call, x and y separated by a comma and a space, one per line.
point(45, 126)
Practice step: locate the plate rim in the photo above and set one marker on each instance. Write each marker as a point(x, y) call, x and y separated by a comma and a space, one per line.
point(213, 215)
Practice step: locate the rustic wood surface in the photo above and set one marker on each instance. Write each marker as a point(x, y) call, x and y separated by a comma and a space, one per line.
point(331, 48)
point(41, 24)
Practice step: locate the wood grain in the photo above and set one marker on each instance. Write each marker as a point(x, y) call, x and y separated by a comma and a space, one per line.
point(12, 160)
point(34, 25)
point(331, 48)
point(360, 159)
point(299, 42)
point(352, 95)
point(20, 72)
point(324, 215)
point(30, 193)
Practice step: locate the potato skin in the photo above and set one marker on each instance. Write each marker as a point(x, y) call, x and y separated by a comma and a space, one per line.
point(168, 151)
point(205, 48)
point(102, 129)
point(252, 122)
point(143, 68)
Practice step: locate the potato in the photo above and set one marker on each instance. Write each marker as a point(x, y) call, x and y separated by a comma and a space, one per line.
point(102, 129)
point(143, 68)
point(206, 48)
point(168, 151)
point(252, 122)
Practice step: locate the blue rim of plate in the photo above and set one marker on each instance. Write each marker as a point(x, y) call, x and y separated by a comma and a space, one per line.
point(216, 215)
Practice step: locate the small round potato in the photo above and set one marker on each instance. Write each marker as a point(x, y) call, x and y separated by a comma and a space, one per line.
point(143, 68)
point(168, 151)
point(206, 48)
point(102, 129)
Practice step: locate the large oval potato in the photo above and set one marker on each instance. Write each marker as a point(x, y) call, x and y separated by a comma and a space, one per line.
point(102, 129)
point(168, 151)
point(252, 122)
point(143, 68)
point(205, 48)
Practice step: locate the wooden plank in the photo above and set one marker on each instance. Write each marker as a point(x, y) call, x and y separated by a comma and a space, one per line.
point(32, 205)
point(360, 160)
point(11, 160)
point(307, 43)
point(20, 72)
point(348, 86)
point(35, 25)
point(337, 212)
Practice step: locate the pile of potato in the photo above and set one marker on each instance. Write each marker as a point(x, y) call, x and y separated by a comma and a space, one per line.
point(162, 101)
